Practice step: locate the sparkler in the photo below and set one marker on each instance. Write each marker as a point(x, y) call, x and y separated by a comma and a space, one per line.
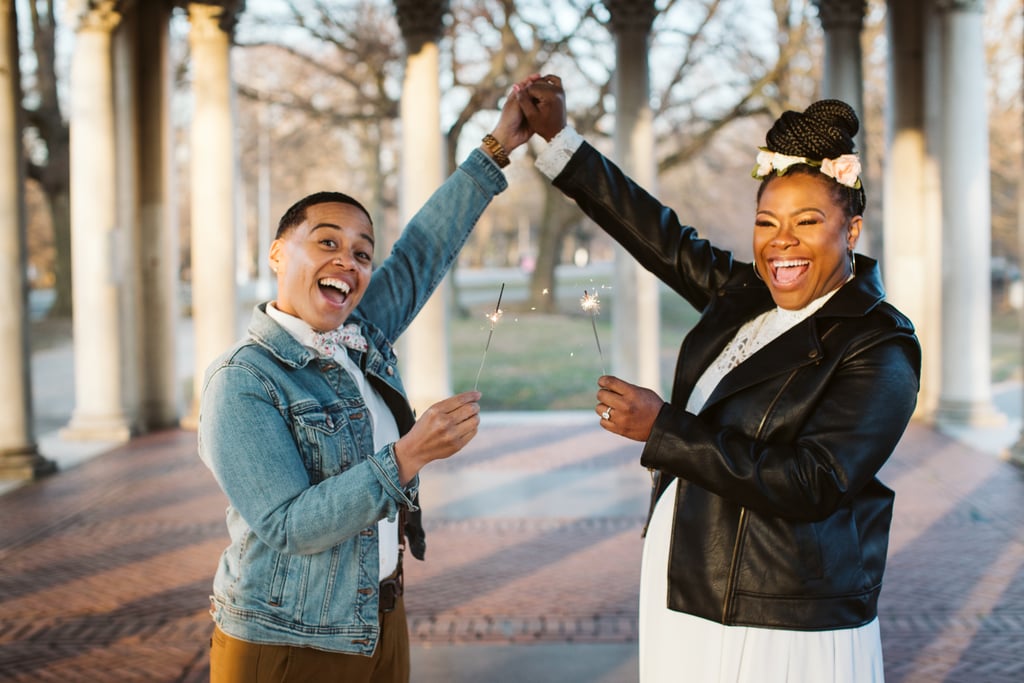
point(590, 303)
point(494, 318)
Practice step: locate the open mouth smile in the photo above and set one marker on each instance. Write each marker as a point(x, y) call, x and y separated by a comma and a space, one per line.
point(787, 271)
point(335, 290)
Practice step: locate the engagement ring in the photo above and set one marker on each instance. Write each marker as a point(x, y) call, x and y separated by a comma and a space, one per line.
point(607, 414)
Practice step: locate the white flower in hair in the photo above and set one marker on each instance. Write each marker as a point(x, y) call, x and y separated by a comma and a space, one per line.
point(764, 164)
point(768, 160)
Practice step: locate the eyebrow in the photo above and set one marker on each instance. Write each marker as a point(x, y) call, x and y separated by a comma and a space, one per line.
point(334, 226)
point(794, 213)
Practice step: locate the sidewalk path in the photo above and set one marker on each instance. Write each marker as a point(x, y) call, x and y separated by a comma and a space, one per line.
point(532, 560)
point(531, 571)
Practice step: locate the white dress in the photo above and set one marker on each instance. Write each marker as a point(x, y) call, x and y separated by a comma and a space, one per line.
point(676, 647)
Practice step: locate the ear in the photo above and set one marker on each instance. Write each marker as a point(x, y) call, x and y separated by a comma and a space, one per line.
point(853, 232)
point(275, 254)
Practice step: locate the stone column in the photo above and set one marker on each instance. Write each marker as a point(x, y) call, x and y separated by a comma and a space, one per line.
point(125, 143)
point(843, 21)
point(912, 217)
point(19, 458)
point(1016, 454)
point(426, 365)
point(635, 303)
point(214, 290)
point(966, 393)
point(96, 239)
point(156, 231)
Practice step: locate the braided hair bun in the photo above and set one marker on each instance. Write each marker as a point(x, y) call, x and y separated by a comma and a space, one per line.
point(825, 130)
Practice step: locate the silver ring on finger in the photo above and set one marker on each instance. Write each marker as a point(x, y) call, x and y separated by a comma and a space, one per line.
point(607, 414)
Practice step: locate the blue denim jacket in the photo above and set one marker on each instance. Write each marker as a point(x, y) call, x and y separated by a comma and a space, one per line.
point(288, 438)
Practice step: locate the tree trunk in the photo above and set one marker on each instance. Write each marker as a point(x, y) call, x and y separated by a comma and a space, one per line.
point(558, 216)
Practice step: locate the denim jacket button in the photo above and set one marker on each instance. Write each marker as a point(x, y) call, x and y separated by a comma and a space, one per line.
point(390, 371)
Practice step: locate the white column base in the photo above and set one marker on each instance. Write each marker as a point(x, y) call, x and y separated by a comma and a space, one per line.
point(1015, 454)
point(953, 413)
point(190, 421)
point(112, 428)
point(25, 465)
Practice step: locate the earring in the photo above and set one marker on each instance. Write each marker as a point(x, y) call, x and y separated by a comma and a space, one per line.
point(753, 264)
point(853, 262)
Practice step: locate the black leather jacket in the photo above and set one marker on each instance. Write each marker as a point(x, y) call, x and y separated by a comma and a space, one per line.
point(779, 519)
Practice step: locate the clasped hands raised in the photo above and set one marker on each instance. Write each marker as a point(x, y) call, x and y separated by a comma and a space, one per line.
point(537, 105)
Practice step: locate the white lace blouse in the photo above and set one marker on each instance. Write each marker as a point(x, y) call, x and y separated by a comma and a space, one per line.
point(754, 335)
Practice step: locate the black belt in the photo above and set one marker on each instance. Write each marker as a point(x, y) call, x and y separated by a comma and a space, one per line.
point(391, 589)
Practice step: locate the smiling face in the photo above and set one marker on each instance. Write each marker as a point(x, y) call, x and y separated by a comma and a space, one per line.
point(324, 264)
point(802, 239)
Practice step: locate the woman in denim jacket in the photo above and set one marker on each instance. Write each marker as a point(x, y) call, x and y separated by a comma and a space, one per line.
point(306, 427)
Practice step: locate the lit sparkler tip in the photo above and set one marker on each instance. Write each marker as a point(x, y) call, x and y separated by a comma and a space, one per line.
point(495, 316)
point(590, 303)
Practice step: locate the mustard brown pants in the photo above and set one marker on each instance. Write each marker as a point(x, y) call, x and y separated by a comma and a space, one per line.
point(238, 661)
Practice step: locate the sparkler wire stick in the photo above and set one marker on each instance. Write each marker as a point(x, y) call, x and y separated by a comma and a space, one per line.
point(494, 317)
point(591, 304)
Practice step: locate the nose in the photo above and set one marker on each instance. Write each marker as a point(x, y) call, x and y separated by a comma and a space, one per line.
point(784, 237)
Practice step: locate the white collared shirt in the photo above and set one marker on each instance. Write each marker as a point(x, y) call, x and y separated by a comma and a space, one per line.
point(385, 429)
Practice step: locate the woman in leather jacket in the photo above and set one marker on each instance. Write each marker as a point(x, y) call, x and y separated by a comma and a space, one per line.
point(766, 543)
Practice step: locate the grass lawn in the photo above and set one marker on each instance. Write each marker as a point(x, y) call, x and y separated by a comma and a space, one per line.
point(542, 361)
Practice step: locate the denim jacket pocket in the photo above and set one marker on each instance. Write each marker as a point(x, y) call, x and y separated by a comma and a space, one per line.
point(330, 435)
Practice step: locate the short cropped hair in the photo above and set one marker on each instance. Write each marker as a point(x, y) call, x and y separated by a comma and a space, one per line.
point(296, 213)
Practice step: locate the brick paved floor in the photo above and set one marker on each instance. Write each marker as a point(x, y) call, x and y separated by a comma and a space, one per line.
point(533, 541)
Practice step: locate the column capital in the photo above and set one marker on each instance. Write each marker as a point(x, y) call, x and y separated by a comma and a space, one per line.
point(93, 15)
point(841, 13)
point(211, 15)
point(420, 21)
point(631, 14)
point(961, 6)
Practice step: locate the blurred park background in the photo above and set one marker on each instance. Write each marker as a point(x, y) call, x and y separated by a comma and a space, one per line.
point(317, 88)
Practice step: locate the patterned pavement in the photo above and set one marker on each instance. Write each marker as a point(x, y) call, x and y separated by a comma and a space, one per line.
point(533, 556)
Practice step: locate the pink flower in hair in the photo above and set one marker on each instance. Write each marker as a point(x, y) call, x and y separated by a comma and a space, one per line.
point(845, 169)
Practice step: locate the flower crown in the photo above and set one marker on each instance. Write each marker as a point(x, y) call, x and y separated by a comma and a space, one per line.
point(844, 169)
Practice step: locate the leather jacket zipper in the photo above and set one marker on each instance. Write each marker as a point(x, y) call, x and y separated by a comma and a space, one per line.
point(740, 527)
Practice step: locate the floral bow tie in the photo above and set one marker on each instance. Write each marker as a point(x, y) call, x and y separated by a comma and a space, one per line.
point(327, 343)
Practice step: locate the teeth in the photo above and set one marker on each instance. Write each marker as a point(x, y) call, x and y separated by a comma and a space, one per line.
point(791, 263)
point(340, 285)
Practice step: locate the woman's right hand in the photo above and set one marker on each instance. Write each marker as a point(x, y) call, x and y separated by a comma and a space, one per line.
point(440, 432)
point(542, 100)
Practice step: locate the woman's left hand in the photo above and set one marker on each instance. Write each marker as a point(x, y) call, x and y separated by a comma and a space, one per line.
point(626, 409)
point(512, 128)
